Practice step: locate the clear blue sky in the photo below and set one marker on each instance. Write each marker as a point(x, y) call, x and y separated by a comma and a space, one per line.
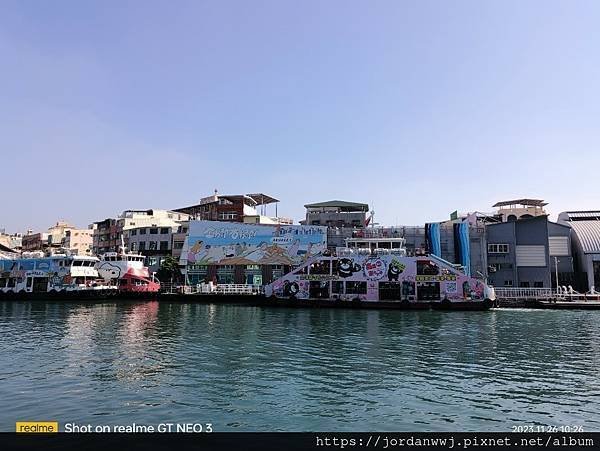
point(420, 107)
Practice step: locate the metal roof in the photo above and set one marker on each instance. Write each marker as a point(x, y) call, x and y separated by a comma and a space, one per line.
point(339, 203)
point(588, 235)
point(590, 214)
point(526, 202)
point(262, 199)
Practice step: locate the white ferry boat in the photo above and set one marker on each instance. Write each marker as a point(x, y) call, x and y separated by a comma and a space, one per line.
point(376, 272)
point(36, 275)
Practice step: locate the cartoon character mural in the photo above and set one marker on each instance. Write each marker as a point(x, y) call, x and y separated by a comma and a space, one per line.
point(108, 271)
point(395, 269)
point(290, 288)
point(347, 267)
point(473, 289)
point(197, 252)
point(225, 243)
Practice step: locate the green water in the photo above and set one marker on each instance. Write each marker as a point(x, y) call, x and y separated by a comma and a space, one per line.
point(259, 369)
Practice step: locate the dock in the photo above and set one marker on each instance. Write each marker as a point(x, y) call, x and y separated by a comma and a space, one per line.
point(546, 298)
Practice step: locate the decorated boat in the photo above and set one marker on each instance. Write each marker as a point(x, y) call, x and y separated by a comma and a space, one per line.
point(377, 273)
point(36, 275)
point(128, 272)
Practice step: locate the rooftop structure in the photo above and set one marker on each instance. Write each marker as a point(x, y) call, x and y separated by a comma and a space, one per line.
point(338, 206)
point(521, 202)
point(512, 210)
point(249, 208)
point(336, 213)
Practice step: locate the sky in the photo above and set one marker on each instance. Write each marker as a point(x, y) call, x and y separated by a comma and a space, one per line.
point(417, 108)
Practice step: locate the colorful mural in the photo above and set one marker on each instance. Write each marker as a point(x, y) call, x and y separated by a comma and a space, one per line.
point(56, 270)
point(226, 243)
point(380, 277)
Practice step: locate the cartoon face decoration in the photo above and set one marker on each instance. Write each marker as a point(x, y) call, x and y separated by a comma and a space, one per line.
point(395, 269)
point(109, 271)
point(290, 288)
point(347, 267)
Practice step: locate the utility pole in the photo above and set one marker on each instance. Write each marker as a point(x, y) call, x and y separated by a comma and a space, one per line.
point(556, 271)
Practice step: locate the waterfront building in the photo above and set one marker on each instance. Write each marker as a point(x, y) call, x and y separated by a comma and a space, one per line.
point(105, 236)
point(527, 253)
point(585, 226)
point(233, 252)
point(34, 241)
point(57, 234)
point(337, 213)
point(460, 240)
point(150, 233)
point(109, 234)
point(79, 241)
point(49, 241)
point(178, 240)
point(246, 208)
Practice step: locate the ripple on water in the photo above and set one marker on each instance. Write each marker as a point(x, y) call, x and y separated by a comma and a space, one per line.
point(251, 369)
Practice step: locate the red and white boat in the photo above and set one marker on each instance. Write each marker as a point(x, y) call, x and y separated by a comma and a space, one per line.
point(128, 273)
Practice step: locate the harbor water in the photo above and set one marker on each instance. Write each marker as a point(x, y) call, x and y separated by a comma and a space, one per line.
point(268, 369)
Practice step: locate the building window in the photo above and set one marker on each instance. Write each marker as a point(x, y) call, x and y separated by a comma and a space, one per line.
point(133, 246)
point(225, 274)
point(524, 284)
point(178, 244)
point(227, 215)
point(508, 283)
point(538, 284)
point(133, 232)
point(154, 231)
point(164, 245)
point(164, 230)
point(498, 248)
point(142, 231)
point(152, 245)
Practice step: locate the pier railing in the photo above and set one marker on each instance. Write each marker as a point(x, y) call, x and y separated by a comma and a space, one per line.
point(219, 289)
point(525, 293)
point(237, 288)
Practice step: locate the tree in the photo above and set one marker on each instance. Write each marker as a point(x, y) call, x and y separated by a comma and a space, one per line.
point(169, 270)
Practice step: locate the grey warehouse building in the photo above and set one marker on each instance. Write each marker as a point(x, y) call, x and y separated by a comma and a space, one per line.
point(528, 253)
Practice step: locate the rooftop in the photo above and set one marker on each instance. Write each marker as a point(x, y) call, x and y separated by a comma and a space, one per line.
point(253, 199)
point(524, 202)
point(339, 204)
point(588, 234)
point(589, 215)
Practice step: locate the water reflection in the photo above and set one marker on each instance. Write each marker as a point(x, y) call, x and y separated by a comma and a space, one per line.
point(245, 368)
